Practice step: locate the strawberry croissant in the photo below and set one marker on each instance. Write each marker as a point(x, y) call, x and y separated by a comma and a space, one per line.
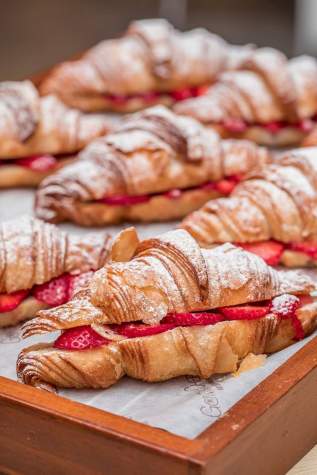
point(40, 135)
point(273, 213)
point(172, 309)
point(41, 266)
point(270, 100)
point(156, 166)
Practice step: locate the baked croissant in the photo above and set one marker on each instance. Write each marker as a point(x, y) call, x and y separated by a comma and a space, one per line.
point(41, 265)
point(273, 213)
point(311, 139)
point(160, 64)
point(39, 135)
point(156, 166)
point(204, 311)
point(270, 100)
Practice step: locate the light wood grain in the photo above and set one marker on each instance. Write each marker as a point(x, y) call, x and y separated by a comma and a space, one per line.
point(306, 466)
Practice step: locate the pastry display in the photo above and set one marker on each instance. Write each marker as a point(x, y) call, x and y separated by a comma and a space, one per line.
point(40, 135)
point(151, 63)
point(273, 213)
point(42, 266)
point(270, 100)
point(156, 166)
point(168, 308)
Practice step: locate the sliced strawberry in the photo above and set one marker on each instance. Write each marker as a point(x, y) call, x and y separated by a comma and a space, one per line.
point(270, 251)
point(307, 247)
point(305, 299)
point(181, 94)
point(78, 282)
point(190, 319)
point(117, 99)
point(149, 96)
point(11, 301)
point(135, 330)
point(284, 306)
point(235, 125)
point(38, 163)
point(199, 90)
point(225, 186)
point(174, 194)
point(298, 328)
point(55, 292)
point(245, 312)
point(80, 338)
point(274, 126)
point(124, 200)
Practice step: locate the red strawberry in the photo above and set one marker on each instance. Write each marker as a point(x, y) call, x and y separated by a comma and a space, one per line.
point(245, 312)
point(80, 338)
point(298, 328)
point(174, 194)
point(55, 292)
point(135, 330)
point(308, 247)
point(78, 282)
point(117, 99)
point(124, 200)
point(190, 319)
point(235, 125)
point(270, 251)
point(305, 299)
point(181, 94)
point(199, 90)
point(9, 302)
point(225, 186)
point(38, 163)
point(284, 306)
point(274, 126)
point(149, 96)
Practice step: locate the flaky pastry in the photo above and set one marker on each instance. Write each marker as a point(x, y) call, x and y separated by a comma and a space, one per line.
point(269, 100)
point(194, 311)
point(39, 135)
point(37, 265)
point(156, 166)
point(152, 63)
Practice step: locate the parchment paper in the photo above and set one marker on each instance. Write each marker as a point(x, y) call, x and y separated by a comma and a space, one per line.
point(183, 406)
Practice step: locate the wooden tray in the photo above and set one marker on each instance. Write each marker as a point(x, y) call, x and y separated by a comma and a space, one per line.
point(265, 433)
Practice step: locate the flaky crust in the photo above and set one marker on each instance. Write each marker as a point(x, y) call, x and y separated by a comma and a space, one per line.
point(278, 203)
point(199, 351)
point(151, 152)
point(170, 273)
point(33, 252)
point(267, 88)
point(30, 125)
point(154, 57)
point(311, 139)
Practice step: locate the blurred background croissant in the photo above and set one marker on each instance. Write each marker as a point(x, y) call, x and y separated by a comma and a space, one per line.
point(38, 33)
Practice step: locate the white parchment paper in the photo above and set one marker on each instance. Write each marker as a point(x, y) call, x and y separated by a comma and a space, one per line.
point(183, 406)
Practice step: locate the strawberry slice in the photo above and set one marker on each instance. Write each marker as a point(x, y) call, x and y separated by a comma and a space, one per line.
point(298, 328)
point(174, 194)
point(80, 338)
point(11, 301)
point(225, 186)
point(245, 312)
point(55, 292)
point(235, 125)
point(270, 251)
point(274, 127)
point(305, 299)
point(135, 330)
point(199, 90)
point(181, 94)
point(124, 200)
point(307, 247)
point(78, 282)
point(38, 163)
point(191, 319)
point(284, 306)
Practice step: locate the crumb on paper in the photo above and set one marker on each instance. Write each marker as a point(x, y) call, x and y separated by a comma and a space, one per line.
point(251, 361)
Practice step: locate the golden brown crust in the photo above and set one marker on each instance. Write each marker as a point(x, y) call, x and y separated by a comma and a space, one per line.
point(154, 56)
point(268, 88)
point(151, 152)
point(170, 273)
point(277, 203)
point(33, 252)
point(199, 351)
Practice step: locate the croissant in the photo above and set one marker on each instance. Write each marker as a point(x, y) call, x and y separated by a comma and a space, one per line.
point(204, 311)
point(273, 213)
point(160, 64)
point(41, 265)
point(156, 166)
point(39, 135)
point(269, 100)
point(311, 139)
